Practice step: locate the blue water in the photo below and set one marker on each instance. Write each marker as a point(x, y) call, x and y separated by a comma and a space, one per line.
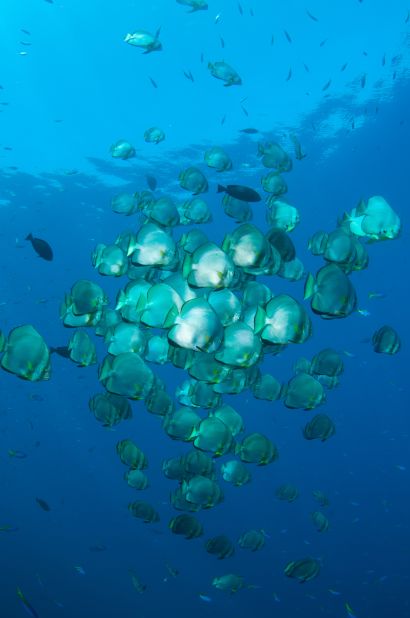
point(76, 90)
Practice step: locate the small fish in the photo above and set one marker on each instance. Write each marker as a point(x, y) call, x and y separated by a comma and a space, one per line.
point(407, 17)
point(222, 42)
point(364, 312)
point(79, 570)
point(240, 9)
point(402, 468)
point(244, 111)
point(7, 528)
point(272, 39)
point(16, 454)
point(43, 504)
point(217, 18)
point(41, 247)
point(249, 131)
point(306, 68)
point(322, 42)
point(151, 182)
point(335, 593)
point(312, 17)
point(27, 606)
point(153, 82)
point(289, 75)
point(50, 1)
point(61, 350)
point(348, 354)
point(25, 31)
point(205, 597)
point(363, 80)
point(383, 60)
point(349, 611)
point(27, 43)
point(97, 548)
point(223, 119)
point(287, 35)
point(276, 598)
point(326, 86)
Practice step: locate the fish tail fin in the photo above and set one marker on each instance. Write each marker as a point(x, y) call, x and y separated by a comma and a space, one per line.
point(221, 189)
point(29, 237)
point(309, 287)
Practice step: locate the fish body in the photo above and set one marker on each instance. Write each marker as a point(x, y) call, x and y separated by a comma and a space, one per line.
point(196, 5)
point(29, 608)
point(16, 454)
point(249, 131)
point(240, 192)
point(43, 504)
point(147, 41)
point(41, 247)
point(223, 71)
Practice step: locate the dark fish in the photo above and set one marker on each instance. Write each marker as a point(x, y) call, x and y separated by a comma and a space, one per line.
point(7, 148)
point(407, 17)
point(384, 60)
point(43, 504)
point(287, 35)
point(311, 16)
point(25, 43)
point(5, 103)
point(222, 42)
point(322, 42)
point(223, 119)
point(251, 13)
point(289, 75)
point(306, 68)
point(240, 9)
point(153, 82)
point(342, 68)
point(41, 247)
point(61, 350)
point(25, 31)
point(239, 192)
point(50, 1)
point(244, 111)
point(189, 75)
point(249, 130)
point(363, 80)
point(97, 548)
point(151, 182)
point(326, 86)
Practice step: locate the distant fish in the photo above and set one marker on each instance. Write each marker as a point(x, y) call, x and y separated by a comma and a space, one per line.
point(43, 504)
point(249, 130)
point(244, 111)
point(97, 548)
point(309, 14)
point(239, 192)
point(61, 350)
point(334, 593)
point(205, 597)
point(29, 608)
point(407, 17)
point(189, 75)
point(364, 312)
point(79, 570)
point(306, 68)
point(349, 611)
point(25, 31)
point(25, 43)
point(50, 1)
point(7, 528)
point(289, 74)
point(222, 42)
point(217, 18)
point(223, 119)
point(272, 39)
point(151, 182)
point(343, 67)
point(41, 247)
point(363, 80)
point(153, 82)
point(322, 42)
point(16, 454)
point(326, 86)
point(240, 9)
point(376, 295)
point(287, 35)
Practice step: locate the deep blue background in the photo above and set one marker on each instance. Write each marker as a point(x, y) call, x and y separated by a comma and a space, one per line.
point(71, 460)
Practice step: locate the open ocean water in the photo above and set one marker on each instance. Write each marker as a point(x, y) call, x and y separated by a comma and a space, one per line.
point(328, 78)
